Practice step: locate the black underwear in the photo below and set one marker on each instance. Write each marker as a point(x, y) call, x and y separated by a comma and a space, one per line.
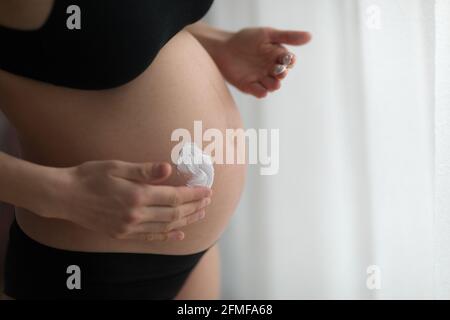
point(34, 271)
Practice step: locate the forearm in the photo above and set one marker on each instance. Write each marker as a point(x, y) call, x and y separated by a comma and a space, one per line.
point(211, 38)
point(27, 185)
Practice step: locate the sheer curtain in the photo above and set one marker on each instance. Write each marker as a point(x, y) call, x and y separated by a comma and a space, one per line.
point(442, 119)
point(364, 180)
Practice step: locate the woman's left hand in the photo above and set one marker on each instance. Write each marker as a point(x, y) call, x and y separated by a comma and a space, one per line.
point(255, 61)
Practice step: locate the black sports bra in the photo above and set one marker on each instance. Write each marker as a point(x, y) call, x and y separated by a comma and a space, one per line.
point(104, 44)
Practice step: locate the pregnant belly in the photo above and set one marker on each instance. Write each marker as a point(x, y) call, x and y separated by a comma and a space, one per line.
point(64, 127)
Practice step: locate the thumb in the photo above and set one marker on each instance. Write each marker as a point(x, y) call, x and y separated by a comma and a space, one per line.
point(147, 172)
point(295, 38)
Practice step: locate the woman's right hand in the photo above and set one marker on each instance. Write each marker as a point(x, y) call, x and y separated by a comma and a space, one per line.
point(123, 200)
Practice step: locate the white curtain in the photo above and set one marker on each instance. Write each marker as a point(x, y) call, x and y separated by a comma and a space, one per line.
point(364, 155)
point(442, 119)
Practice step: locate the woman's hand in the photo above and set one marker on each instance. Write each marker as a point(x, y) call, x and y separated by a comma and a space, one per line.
point(120, 199)
point(254, 59)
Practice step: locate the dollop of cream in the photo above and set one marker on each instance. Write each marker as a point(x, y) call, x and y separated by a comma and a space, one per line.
point(196, 165)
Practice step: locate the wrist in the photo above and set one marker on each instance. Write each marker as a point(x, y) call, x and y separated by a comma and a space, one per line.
point(212, 39)
point(42, 189)
point(50, 194)
point(216, 43)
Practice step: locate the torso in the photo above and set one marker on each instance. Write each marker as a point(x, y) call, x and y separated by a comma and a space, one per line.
point(59, 126)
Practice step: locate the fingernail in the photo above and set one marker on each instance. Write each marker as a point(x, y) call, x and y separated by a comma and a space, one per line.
point(287, 59)
point(279, 69)
point(207, 201)
point(202, 214)
point(158, 170)
point(176, 236)
point(180, 236)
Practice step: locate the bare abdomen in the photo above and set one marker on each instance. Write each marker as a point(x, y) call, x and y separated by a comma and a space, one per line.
point(134, 122)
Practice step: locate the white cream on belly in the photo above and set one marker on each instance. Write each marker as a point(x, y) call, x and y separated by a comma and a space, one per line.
point(196, 166)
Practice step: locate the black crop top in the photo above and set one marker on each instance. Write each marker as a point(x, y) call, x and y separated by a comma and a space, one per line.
point(115, 42)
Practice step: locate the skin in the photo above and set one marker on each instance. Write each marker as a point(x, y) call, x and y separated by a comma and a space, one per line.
point(117, 191)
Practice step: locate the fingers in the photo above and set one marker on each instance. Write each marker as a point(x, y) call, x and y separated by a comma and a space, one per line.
point(277, 61)
point(257, 89)
point(271, 83)
point(284, 60)
point(164, 227)
point(175, 196)
point(170, 214)
point(162, 223)
point(279, 71)
point(287, 59)
point(147, 172)
point(156, 236)
point(289, 37)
